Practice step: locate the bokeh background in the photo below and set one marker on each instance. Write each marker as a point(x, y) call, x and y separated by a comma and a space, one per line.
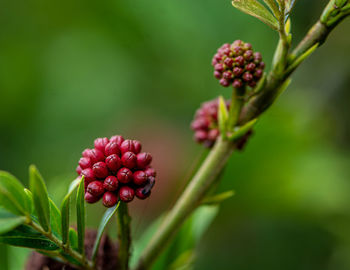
point(71, 71)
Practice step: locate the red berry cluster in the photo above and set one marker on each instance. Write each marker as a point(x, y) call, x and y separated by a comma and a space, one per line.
point(205, 123)
point(116, 169)
point(236, 64)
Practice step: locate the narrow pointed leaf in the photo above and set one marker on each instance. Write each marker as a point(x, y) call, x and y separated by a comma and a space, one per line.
point(300, 59)
point(55, 219)
point(222, 116)
point(9, 221)
point(241, 131)
point(257, 10)
point(105, 219)
point(218, 198)
point(24, 236)
point(40, 197)
point(184, 262)
point(81, 216)
point(12, 195)
point(65, 210)
point(73, 238)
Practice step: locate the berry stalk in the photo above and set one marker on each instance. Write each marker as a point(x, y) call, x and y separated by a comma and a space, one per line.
point(123, 221)
point(191, 198)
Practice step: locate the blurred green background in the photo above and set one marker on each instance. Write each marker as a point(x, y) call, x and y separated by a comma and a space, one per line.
point(71, 71)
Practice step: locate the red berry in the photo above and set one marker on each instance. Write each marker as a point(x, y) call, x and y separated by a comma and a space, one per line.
point(117, 139)
point(95, 188)
point(227, 75)
point(109, 199)
point(239, 60)
point(237, 83)
point(91, 198)
point(88, 174)
point(229, 62)
point(213, 134)
point(85, 162)
point(140, 178)
point(150, 172)
point(137, 146)
point(217, 74)
point(219, 67)
point(247, 76)
point(79, 170)
point(127, 146)
point(200, 135)
point(143, 159)
point(129, 160)
point(126, 194)
point(124, 175)
point(100, 169)
point(224, 82)
point(113, 162)
point(111, 183)
point(112, 148)
point(142, 193)
point(100, 143)
point(250, 67)
point(237, 71)
point(94, 154)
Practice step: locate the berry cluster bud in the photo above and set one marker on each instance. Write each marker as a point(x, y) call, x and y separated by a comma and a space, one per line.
point(116, 169)
point(205, 123)
point(236, 64)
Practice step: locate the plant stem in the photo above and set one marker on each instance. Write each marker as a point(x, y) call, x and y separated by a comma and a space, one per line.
point(237, 101)
point(123, 221)
point(193, 195)
point(68, 250)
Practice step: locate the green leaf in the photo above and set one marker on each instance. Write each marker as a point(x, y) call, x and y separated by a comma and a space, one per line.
point(184, 261)
point(254, 8)
point(242, 130)
point(25, 236)
point(55, 219)
point(29, 199)
point(9, 221)
point(218, 198)
point(73, 238)
point(65, 210)
point(296, 62)
point(81, 216)
point(273, 7)
point(12, 195)
point(40, 197)
point(105, 219)
point(222, 116)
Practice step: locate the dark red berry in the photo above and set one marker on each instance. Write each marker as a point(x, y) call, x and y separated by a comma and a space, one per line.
point(217, 74)
point(91, 198)
point(85, 162)
point(111, 183)
point(143, 160)
point(88, 174)
point(100, 169)
point(239, 60)
point(109, 199)
point(237, 71)
point(229, 62)
point(113, 162)
point(142, 193)
point(248, 55)
point(126, 194)
point(227, 75)
point(237, 83)
point(112, 148)
point(150, 172)
point(219, 67)
point(124, 175)
point(250, 67)
point(140, 178)
point(247, 76)
point(258, 73)
point(117, 139)
point(200, 135)
point(129, 160)
point(224, 82)
point(94, 155)
point(79, 170)
point(95, 188)
point(137, 146)
point(127, 146)
point(100, 143)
